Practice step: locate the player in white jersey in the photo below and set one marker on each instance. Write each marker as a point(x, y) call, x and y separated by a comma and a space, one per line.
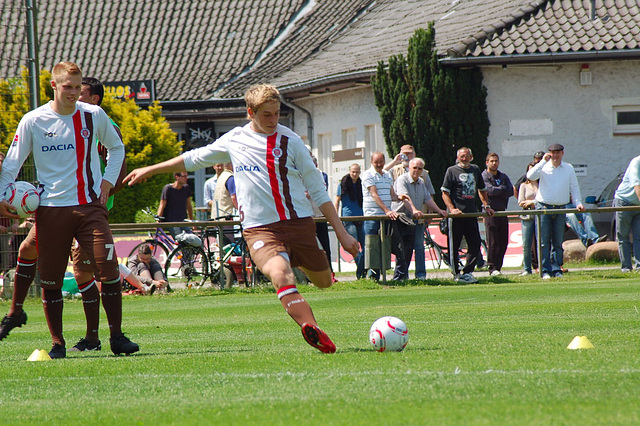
point(63, 137)
point(272, 170)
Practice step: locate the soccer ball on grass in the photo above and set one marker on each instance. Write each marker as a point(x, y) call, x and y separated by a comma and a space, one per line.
point(24, 197)
point(389, 334)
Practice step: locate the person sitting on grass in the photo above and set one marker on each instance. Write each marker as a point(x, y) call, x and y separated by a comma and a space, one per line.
point(273, 171)
point(147, 271)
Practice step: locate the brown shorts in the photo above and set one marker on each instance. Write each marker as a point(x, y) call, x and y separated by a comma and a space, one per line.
point(297, 237)
point(55, 229)
point(79, 258)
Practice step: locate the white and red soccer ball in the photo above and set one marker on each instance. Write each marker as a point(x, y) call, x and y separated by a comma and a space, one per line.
point(389, 334)
point(24, 197)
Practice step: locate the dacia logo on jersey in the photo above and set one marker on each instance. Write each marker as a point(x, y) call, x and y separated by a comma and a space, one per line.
point(61, 147)
point(247, 169)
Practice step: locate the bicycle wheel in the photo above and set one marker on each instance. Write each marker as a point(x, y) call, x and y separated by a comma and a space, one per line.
point(189, 264)
point(158, 250)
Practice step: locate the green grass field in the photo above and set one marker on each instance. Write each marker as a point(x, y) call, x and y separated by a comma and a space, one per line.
point(490, 353)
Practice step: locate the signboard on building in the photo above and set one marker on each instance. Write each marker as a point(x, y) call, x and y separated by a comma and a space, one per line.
point(199, 134)
point(341, 160)
point(143, 92)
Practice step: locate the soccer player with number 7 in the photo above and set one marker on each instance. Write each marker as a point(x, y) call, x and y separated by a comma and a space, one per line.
point(63, 137)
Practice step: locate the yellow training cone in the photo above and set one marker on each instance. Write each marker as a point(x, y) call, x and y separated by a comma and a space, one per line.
point(580, 342)
point(39, 355)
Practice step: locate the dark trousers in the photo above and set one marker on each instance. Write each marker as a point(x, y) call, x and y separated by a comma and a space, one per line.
point(322, 232)
point(497, 231)
point(403, 237)
point(466, 227)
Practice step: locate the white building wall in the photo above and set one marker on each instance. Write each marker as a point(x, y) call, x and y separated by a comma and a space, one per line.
point(533, 107)
point(336, 118)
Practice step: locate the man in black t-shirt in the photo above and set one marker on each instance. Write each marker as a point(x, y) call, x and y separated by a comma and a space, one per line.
point(462, 184)
point(175, 204)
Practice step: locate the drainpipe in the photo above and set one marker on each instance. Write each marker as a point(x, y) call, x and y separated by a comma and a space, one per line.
point(309, 120)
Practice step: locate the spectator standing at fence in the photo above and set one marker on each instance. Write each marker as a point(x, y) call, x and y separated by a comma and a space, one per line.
point(175, 203)
point(628, 222)
point(499, 189)
point(377, 195)
point(516, 187)
point(557, 186)
point(210, 187)
point(412, 185)
point(526, 200)
point(349, 192)
point(462, 185)
point(273, 173)
point(73, 198)
point(398, 167)
point(225, 193)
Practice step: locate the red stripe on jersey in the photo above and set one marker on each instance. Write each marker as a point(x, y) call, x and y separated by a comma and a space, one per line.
point(273, 178)
point(88, 118)
point(284, 177)
point(80, 153)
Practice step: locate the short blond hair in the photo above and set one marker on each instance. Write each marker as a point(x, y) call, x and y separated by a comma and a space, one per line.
point(259, 94)
point(64, 69)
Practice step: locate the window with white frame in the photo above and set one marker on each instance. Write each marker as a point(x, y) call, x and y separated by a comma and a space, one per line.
point(626, 119)
point(349, 138)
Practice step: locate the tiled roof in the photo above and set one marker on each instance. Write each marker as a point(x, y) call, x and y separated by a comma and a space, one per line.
point(203, 49)
point(560, 26)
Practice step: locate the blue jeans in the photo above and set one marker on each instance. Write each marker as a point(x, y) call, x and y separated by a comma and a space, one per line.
point(418, 248)
point(628, 222)
point(582, 225)
point(552, 228)
point(356, 230)
point(528, 231)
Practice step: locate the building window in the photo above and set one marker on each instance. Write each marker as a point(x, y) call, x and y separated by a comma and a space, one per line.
point(348, 138)
point(626, 120)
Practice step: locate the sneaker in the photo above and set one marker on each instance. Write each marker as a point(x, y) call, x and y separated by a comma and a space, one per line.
point(85, 345)
point(9, 323)
point(122, 345)
point(58, 351)
point(495, 273)
point(525, 273)
point(605, 237)
point(625, 270)
point(318, 338)
point(466, 278)
point(558, 275)
point(149, 289)
point(546, 276)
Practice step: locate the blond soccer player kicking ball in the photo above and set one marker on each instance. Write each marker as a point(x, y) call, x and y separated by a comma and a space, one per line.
point(273, 169)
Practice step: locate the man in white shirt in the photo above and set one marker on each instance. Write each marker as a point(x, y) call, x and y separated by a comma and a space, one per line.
point(557, 186)
point(628, 221)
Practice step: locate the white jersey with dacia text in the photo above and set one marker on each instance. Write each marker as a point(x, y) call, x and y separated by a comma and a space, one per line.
point(272, 173)
point(65, 153)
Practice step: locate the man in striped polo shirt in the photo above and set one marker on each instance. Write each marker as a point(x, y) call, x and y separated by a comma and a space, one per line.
point(377, 195)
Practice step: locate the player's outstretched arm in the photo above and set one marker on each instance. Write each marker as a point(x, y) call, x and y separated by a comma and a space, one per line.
point(176, 164)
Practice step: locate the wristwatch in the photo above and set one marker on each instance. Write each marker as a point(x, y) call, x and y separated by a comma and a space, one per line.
point(486, 206)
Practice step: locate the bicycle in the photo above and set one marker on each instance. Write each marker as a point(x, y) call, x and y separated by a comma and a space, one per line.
point(161, 243)
point(440, 254)
point(196, 260)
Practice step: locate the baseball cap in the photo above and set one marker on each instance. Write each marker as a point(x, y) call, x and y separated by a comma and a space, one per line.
point(538, 154)
point(556, 147)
